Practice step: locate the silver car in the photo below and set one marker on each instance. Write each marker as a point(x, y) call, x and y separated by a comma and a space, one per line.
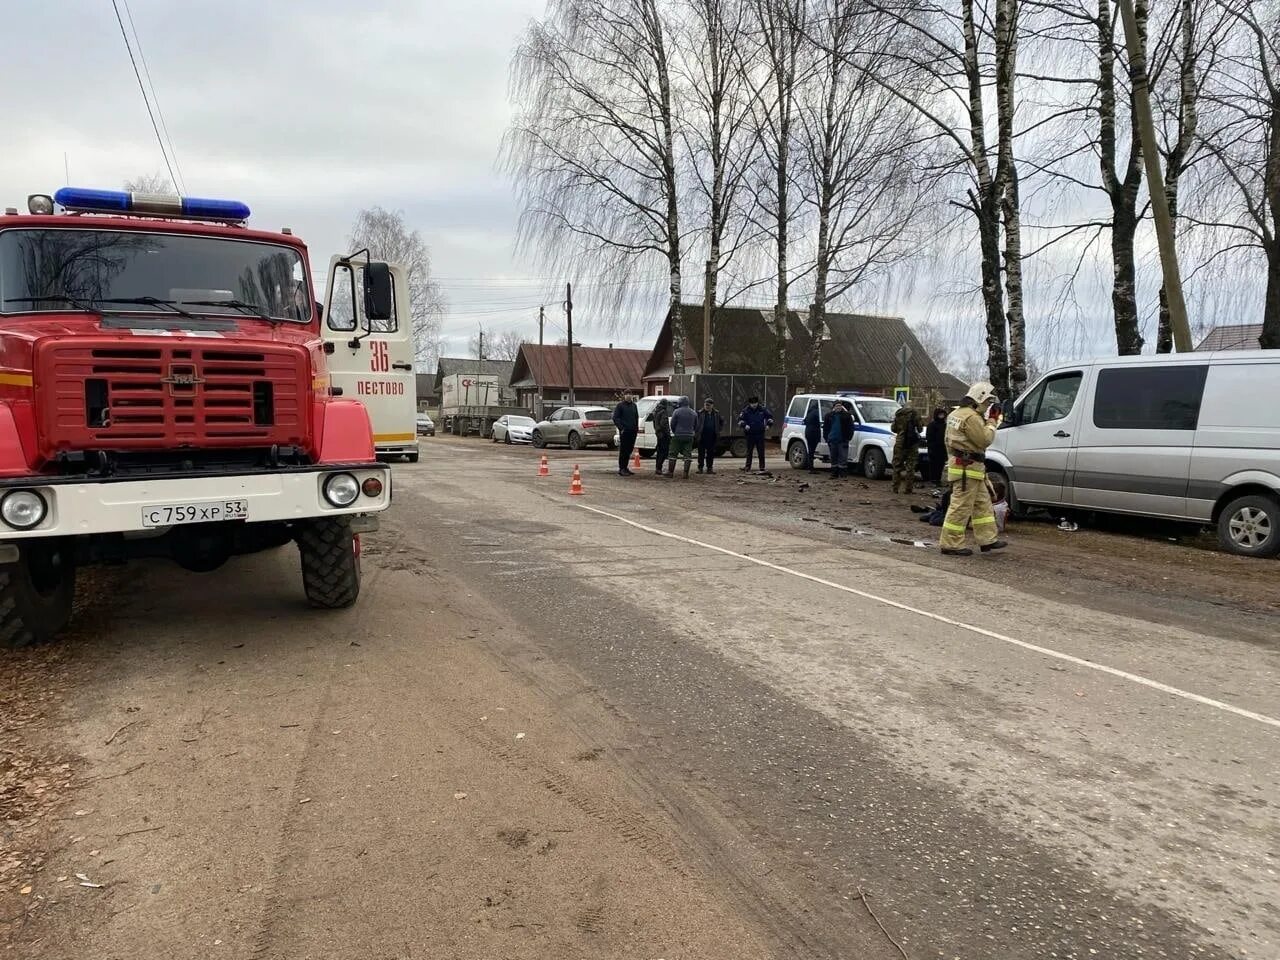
point(513, 429)
point(576, 427)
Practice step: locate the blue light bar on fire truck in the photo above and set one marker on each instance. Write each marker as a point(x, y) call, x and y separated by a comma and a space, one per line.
point(82, 200)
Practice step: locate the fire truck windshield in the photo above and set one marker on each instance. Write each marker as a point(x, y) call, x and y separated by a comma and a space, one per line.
point(180, 277)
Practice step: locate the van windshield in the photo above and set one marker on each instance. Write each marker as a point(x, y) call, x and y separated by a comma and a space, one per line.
point(57, 269)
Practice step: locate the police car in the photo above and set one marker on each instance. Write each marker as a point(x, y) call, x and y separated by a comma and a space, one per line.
point(872, 445)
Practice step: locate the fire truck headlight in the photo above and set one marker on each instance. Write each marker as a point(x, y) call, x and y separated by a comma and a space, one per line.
point(23, 509)
point(341, 489)
point(40, 204)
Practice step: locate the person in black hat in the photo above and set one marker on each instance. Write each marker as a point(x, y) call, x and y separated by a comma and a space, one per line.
point(710, 426)
point(755, 420)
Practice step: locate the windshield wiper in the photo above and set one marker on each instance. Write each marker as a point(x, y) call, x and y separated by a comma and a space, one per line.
point(76, 302)
point(153, 302)
point(236, 305)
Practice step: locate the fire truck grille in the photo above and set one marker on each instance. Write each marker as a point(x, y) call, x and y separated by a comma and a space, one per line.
point(172, 395)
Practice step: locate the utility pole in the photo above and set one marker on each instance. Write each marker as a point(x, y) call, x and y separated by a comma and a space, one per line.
point(541, 320)
point(568, 322)
point(707, 299)
point(1155, 181)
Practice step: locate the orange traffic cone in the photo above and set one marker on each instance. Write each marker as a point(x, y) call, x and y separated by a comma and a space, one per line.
point(575, 485)
point(544, 468)
point(635, 460)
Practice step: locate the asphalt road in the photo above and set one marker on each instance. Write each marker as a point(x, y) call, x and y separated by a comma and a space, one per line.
point(642, 723)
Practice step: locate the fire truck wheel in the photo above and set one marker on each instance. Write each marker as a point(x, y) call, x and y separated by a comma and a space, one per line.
point(35, 594)
point(330, 564)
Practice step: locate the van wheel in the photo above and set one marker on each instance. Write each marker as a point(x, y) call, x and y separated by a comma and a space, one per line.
point(36, 594)
point(874, 464)
point(797, 453)
point(646, 453)
point(1250, 526)
point(412, 458)
point(1011, 498)
point(330, 562)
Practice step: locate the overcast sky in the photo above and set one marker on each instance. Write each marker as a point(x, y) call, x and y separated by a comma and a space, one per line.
point(309, 111)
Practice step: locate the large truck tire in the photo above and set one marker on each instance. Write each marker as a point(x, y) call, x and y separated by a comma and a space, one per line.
point(36, 594)
point(330, 563)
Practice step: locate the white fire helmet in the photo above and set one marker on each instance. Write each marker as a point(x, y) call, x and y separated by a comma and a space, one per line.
point(981, 392)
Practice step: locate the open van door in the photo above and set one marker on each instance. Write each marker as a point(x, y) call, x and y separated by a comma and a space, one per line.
point(367, 329)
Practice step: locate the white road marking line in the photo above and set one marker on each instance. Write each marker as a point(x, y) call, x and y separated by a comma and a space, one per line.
point(981, 631)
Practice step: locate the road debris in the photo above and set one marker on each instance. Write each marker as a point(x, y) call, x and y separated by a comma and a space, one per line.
point(119, 730)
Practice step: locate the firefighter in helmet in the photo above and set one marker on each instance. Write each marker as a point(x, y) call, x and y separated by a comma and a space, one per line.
point(971, 428)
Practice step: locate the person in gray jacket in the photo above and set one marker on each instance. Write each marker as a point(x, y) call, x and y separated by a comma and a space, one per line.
point(683, 425)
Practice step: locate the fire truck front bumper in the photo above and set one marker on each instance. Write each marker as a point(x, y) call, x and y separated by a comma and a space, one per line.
point(76, 506)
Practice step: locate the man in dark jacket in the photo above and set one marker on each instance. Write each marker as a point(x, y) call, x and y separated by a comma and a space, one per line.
point(684, 423)
point(627, 419)
point(812, 434)
point(661, 430)
point(708, 429)
point(755, 419)
point(838, 429)
point(935, 440)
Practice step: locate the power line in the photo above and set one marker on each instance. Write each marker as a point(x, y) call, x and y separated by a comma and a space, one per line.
point(143, 90)
point(182, 185)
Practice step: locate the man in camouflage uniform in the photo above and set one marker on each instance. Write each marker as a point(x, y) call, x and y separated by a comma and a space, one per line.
point(906, 448)
point(969, 434)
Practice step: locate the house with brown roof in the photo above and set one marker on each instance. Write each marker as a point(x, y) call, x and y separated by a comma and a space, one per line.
point(1231, 336)
point(860, 352)
point(540, 375)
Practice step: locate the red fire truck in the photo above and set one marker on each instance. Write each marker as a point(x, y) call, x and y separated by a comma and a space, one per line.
point(164, 392)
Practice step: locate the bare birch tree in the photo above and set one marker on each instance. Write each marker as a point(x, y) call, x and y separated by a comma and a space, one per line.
point(1121, 188)
point(592, 145)
point(1006, 52)
point(1242, 101)
point(859, 147)
point(386, 235)
point(717, 129)
point(1184, 57)
point(153, 183)
point(781, 27)
point(948, 72)
point(497, 346)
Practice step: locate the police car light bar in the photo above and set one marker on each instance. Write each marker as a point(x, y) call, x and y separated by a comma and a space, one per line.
point(82, 200)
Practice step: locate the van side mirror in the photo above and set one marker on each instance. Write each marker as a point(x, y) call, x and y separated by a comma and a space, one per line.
point(379, 300)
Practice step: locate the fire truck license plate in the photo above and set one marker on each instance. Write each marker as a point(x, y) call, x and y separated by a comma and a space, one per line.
point(169, 514)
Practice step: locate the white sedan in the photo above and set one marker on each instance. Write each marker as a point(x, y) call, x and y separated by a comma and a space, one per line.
point(512, 429)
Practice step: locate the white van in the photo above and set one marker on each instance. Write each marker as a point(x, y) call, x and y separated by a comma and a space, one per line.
point(872, 447)
point(646, 439)
point(1192, 437)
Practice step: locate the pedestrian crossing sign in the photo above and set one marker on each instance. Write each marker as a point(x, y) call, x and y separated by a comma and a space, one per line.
point(902, 395)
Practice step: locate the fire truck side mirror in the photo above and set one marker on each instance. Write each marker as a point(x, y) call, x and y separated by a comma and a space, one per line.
point(379, 300)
